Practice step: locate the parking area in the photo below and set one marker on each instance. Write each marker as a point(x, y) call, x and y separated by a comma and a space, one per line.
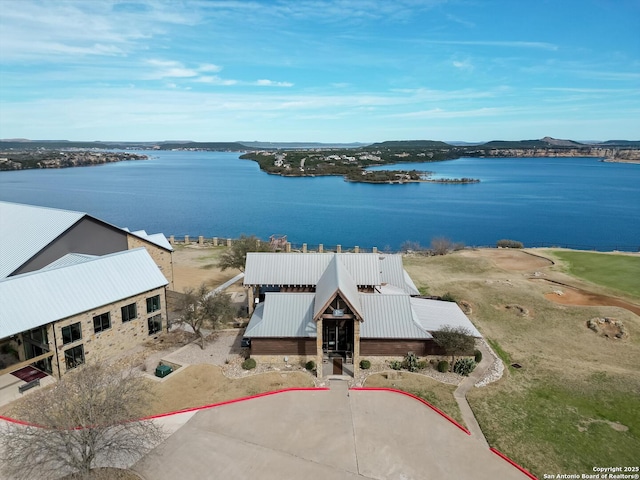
point(336, 433)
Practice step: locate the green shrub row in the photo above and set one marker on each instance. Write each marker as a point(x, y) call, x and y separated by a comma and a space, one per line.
point(509, 244)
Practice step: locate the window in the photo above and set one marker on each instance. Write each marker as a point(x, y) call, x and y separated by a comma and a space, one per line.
point(153, 304)
point(74, 357)
point(101, 322)
point(155, 324)
point(71, 333)
point(129, 312)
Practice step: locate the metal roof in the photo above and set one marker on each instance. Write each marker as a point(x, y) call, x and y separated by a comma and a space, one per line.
point(336, 279)
point(307, 268)
point(70, 259)
point(27, 229)
point(283, 315)
point(156, 238)
point(433, 315)
point(389, 316)
point(34, 299)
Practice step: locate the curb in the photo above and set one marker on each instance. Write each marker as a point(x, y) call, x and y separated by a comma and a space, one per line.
point(435, 409)
point(522, 469)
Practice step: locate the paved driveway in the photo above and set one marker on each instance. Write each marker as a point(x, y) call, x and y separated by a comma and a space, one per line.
point(323, 435)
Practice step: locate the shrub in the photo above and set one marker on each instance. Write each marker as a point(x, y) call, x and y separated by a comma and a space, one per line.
point(310, 365)
point(443, 366)
point(365, 364)
point(411, 362)
point(464, 366)
point(422, 364)
point(509, 244)
point(477, 356)
point(447, 297)
point(395, 365)
point(249, 364)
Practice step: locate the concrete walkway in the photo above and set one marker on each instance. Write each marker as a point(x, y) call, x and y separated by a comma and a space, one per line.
point(320, 434)
point(460, 394)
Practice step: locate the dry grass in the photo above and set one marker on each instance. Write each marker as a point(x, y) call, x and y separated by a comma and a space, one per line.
point(199, 385)
point(574, 403)
point(194, 265)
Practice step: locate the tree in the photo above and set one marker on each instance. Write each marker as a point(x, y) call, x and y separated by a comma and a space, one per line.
point(441, 245)
point(236, 255)
point(88, 419)
point(202, 308)
point(455, 340)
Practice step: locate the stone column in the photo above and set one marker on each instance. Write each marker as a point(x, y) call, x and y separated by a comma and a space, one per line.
point(250, 299)
point(228, 242)
point(215, 241)
point(304, 248)
point(320, 248)
point(319, 355)
point(172, 240)
point(356, 249)
point(186, 239)
point(287, 247)
point(338, 248)
point(200, 240)
point(356, 346)
point(375, 249)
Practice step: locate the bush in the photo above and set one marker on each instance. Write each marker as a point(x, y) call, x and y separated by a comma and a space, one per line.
point(365, 364)
point(411, 362)
point(422, 364)
point(447, 297)
point(310, 365)
point(249, 364)
point(395, 365)
point(509, 244)
point(443, 366)
point(477, 356)
point(464, 366)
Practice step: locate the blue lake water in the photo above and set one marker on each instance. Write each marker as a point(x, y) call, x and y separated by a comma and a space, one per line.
point(577, 202)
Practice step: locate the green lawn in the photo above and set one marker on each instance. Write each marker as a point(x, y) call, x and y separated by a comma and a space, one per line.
point(555, 426)
point(618, 272)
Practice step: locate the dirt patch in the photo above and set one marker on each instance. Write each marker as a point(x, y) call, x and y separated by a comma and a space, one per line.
point(607, 327)
point(518, 309)
point(511, 260)
point(583, 426)
point(194, 265)
point(565, 295)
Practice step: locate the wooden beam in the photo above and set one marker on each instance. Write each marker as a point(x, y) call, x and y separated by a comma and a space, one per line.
point(18, 366)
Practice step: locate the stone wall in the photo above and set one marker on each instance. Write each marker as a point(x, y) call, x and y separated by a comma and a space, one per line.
point(297, 360)
point(119, 337)
point(162, 257)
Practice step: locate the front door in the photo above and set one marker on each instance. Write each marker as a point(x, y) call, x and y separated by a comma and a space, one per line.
point(337, 365)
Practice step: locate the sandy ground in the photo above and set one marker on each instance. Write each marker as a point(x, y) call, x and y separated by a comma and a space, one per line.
point(194, 265)
point(511, 260)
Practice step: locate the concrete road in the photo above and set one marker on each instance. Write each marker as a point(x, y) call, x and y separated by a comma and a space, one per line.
point(323, 435)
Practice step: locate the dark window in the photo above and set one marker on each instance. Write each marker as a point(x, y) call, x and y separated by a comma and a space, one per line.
point(129, 312)
point(153, 304)
point(71, 333)
point(74, 357)
point(155, 324)
point(101, 322)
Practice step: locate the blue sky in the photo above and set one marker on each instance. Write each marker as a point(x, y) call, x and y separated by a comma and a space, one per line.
point(329, 71)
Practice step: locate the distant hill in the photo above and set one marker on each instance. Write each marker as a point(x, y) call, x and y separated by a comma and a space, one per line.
point(545, 142)
point(219, 146)
point(300, 145)
point(621, 143)
point(411, 144)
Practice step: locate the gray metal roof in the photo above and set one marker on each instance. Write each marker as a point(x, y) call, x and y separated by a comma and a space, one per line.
point(389, 316)
point(336, 279)
point(307, 268)
point(70, 259)
point(155, 238)
point(34, 299)
point(283, 315)
point(27, 229)
point(433, 315)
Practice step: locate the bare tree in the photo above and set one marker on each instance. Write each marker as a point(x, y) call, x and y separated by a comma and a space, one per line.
point(201, 308)
point(455, 340)
point(236, 255)
point(86, 420)
point(441, 245)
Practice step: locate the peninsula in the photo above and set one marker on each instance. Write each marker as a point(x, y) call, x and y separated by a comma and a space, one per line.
point(29, 159)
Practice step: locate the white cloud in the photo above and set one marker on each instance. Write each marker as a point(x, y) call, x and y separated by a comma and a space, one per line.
point(271, 83)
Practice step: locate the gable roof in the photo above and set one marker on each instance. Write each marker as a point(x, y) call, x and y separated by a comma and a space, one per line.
point(433, 315)
point(25, 230)
point(34, 299)
point(283, 315)
point(389, 316)
point(336, 280)
point(307, 268)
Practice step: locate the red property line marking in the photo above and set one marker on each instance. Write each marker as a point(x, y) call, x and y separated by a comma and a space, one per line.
point(191, 409)
point(522, 469)
point(435, 409)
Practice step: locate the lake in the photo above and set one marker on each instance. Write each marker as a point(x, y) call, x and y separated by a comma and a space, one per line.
point(574, 202)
